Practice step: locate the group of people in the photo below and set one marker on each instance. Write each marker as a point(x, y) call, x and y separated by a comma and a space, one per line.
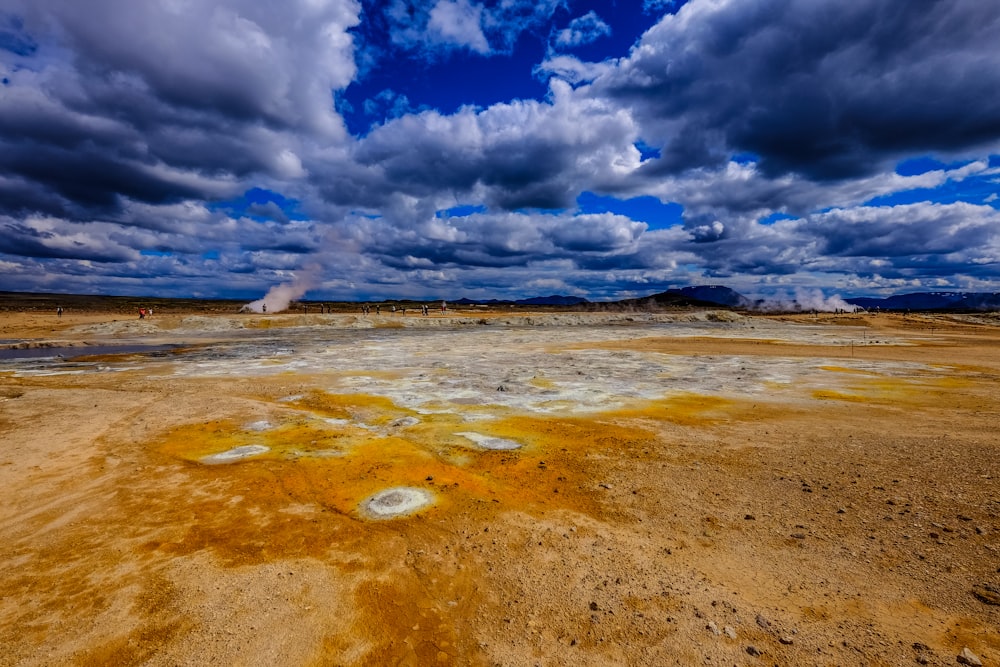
point(145, 312)
point(425, 310)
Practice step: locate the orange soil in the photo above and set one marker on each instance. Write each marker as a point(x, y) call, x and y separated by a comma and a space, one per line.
point(829, 527)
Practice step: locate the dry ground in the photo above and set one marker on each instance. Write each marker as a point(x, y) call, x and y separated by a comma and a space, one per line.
point(848, 517)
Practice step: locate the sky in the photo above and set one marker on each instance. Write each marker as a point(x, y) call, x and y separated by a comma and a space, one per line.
point(364, 149)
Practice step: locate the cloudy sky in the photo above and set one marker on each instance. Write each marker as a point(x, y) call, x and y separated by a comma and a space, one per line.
point(499, 148)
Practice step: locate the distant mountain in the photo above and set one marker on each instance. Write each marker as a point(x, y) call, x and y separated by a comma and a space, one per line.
point(553, 300)
point(718, 294)
point(974, 301)
point(670, 298)
point(700, 296)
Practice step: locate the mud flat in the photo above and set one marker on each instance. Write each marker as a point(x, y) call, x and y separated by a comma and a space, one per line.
point(500, 489)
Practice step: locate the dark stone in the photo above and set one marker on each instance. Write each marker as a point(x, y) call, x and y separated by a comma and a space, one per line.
point(987, 593)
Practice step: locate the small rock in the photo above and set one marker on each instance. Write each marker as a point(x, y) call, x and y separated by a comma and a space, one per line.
point(713, 628)
point(763, 622)
point(917, 646)
point(756, 652)
point(799, 536)
point(729, 631)
point(980, 530)
point(967, 657)
point(749, 517)
point(785, 640)
point(986, 593)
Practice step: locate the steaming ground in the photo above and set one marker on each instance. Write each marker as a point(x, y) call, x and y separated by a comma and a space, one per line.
point(494, 489)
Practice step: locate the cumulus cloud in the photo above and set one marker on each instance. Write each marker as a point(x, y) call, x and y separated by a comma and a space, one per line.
point(581, 30)
point(457, 23)
point(159, 102)
point(524, 154)
point(826, 89)
point(441, 26)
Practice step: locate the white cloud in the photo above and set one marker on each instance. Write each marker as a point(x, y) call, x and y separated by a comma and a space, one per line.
point(582, 30)
point(457, 22)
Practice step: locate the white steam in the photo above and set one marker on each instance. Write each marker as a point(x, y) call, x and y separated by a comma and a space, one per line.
point(279, 296)
point(814, 300)
point(806, 300)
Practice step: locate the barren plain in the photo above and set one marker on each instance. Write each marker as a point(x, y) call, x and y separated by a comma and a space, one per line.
point(696, 488)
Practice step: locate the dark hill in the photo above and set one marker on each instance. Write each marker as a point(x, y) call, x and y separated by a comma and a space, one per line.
point(718, 294)
point(968, 301)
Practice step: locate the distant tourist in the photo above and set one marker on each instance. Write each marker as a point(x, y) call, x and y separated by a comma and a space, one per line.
point(59, 311)
point(142, 313)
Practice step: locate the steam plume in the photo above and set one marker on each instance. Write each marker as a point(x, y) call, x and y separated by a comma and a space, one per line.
point(279, 296)
point(808, 300)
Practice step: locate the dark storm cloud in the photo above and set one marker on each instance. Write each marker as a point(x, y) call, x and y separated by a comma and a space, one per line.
point(112, 100)
point(90, 179)
point(826, 88)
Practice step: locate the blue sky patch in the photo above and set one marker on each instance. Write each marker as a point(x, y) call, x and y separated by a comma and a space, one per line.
point(775, 217)
point(261, 205)
point(973, 190)
point(460, 211)
point(644, 209)
point(923, 164)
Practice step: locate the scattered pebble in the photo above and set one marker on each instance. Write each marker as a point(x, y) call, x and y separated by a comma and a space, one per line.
point(754, 651)
point(729, 631)
point(713, 628)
